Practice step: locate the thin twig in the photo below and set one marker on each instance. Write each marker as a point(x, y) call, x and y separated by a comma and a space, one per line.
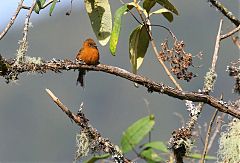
point(235, 30)
point(217, 46)
point(83, 122)
point(48, 3)
point(26, 7)
point(207, 136)
point(225, 12)
point(171, 33)
point(10, 23)
point(216, 132)
point(132, 14)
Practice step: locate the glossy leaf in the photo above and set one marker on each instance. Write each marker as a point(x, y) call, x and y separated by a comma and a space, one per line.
point(96, 158)
point(166, 4)
point(148, 4)
point(99, 12)
point(52, 7)
point(39, 5)
point(117, 26)
point(165, 12)
point(198, 156)
point(158, 145)
point(136, 132)
point(150, 156)
point(138, 44)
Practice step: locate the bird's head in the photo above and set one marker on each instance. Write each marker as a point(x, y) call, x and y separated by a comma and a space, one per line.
point(90, 43)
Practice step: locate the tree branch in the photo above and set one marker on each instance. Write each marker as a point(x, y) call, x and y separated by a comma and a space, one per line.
point(205, 150)
point(3, 33)
point(235, 30)
point(217, 46)
point(92, 133)
point(225, 12)
point(152, 86)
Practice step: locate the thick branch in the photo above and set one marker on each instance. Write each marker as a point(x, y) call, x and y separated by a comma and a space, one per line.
point(59, 65)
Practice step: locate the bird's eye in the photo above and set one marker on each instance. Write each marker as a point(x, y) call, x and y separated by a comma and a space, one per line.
point(92, 45)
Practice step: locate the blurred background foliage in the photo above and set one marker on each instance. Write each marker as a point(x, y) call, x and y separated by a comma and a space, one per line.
point(33, 129)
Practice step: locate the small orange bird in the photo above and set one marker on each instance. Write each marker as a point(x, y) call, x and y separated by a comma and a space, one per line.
point(89, 54)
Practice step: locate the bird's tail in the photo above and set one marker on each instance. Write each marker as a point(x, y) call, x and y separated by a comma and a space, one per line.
point(80, 78)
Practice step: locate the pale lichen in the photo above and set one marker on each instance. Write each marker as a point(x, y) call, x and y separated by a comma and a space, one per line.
point(82, 145)
point(209, 81)
point(229, 143)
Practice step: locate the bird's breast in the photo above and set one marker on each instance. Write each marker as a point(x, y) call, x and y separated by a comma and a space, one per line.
point(90, 56)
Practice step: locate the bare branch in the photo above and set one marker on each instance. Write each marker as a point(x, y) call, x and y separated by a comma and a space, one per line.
point(81, 120)
point(216, 49)
point(235, 30)
point(205, 150)
point(72, 116)
point(20, 6)
point(217, 130)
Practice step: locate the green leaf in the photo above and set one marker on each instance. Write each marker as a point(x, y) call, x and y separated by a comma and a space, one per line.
point(138, 44)
point(133, 47)
point(150, 156)
point(99, 12)
point(166, 13)
point(148, 4)
point(136, 132)
point(52, 7)
point(199, 156)
point(117, 26)
point(96, 158)
point(158, 145)
point(39, 5)
point(166, 4)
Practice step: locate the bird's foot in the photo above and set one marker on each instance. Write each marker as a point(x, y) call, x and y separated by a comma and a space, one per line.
point(80, 61)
